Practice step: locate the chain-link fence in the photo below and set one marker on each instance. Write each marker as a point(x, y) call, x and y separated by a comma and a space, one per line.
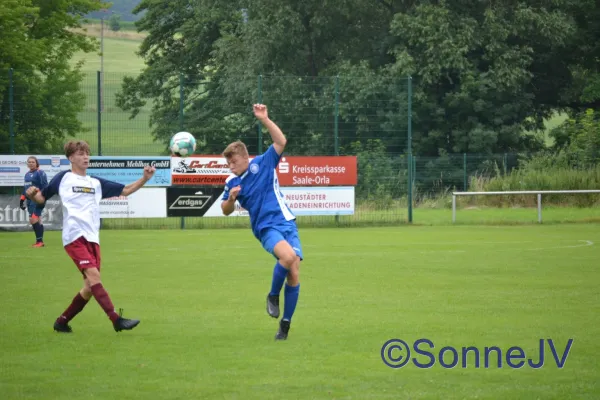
point(339, 115)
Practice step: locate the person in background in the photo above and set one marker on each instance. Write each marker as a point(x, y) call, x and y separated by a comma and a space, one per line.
point(34, 177)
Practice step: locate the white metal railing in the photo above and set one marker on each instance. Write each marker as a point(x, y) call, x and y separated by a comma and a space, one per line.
point(538, 192)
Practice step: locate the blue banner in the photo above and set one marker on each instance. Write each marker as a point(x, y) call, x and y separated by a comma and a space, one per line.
point(126, 170)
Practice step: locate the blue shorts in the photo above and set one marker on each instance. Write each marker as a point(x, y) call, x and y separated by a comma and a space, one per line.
point(35, 208)
point(269, 237)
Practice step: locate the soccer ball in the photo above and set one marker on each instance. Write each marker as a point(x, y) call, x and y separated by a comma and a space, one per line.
point(182, 144)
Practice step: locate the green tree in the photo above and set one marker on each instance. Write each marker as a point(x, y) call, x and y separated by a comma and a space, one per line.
point(577, 140)
point(485, 75)
point(381, 177)
point(220, 48)
point(37, 42)
point(583, 92)
point(114, 22)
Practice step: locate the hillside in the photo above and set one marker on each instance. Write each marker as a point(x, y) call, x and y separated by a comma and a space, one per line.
point(123, 8)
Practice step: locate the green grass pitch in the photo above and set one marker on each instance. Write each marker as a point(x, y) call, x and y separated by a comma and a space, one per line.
point(205, 333)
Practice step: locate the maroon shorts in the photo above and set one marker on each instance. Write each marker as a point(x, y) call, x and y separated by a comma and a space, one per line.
point(85, 254)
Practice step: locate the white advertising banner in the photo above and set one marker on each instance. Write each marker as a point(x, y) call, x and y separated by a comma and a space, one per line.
point(337, 200)
point(145, 203)
point(13, 168)
point(12, 218)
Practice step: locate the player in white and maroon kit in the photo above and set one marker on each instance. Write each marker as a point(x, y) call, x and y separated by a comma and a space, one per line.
point(80, 195)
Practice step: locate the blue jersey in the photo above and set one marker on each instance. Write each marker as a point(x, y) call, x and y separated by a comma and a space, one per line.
point(260, 194)
point(36, 178)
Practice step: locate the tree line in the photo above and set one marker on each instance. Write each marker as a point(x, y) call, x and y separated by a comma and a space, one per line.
point(484, 76)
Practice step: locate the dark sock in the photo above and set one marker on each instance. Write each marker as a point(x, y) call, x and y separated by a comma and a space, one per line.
point(76, 306)
point(39, 231)
point(103, 299)
point(279, 274)
point(291, 299)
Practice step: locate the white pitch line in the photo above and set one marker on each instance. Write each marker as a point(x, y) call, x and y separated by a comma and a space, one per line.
point(586, 243)
point(405, 244)
point(582, 243)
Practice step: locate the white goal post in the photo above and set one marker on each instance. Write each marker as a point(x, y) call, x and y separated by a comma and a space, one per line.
point(538, 192)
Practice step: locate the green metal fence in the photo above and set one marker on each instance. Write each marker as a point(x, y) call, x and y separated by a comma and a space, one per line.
point(337, 115)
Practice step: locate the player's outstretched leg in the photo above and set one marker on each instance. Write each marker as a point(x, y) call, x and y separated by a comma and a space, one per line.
point(285, 245)
point(284, 328)
point(103, 299)
point(279, 274)
point(79, 302)
point(124, 323)
point(291, 294)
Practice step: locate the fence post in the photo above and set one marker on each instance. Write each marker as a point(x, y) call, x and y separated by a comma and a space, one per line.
point(99, 115)
point(336, 146)
point(11, 111)
point(465, 172)
point(414, 176)
point(181, 84)
point(453, 208)
point(101, 81)
point(409, 145)
point(182, 222)
point(336, 116)
point(260, 139)
point(539, 204)
point(99, 112)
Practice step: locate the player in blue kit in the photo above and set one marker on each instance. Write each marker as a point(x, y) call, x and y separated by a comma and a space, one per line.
point(255, 186)
point(34, 177)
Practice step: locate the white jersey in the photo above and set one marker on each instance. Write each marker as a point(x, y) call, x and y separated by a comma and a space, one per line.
point(80, 197)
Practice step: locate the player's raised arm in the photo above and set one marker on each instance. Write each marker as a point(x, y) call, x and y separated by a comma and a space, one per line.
point(279, 140)
point(135, 186)
point(40, 195)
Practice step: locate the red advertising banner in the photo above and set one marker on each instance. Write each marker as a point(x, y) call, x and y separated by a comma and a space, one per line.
point(317, 171)
point(199, 170)
point(291, 171)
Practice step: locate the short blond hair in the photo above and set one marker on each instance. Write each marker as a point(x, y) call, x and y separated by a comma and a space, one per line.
point(234, 148)
point(73, 147)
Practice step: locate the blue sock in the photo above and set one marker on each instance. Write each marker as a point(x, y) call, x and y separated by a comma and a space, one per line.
point(279, 274)
point(39, 231)
point(291, 299)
